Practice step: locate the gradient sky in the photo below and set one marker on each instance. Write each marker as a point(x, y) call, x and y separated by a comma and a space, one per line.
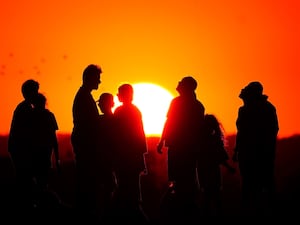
point(223, 44)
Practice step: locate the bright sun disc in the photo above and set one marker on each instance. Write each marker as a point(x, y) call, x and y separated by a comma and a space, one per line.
point(153, 102)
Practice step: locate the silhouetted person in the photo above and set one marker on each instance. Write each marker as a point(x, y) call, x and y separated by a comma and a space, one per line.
point(182, 134)
point(107, 137)
point(255, 149)
point(130, 151)
point(20, 142)
point(45, 142)
point(212, 155)
point(84, 140)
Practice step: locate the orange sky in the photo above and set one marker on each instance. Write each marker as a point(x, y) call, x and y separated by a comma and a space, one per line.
point(223, 44)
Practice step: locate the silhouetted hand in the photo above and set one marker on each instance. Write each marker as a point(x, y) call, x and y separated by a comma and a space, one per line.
point(160, 146)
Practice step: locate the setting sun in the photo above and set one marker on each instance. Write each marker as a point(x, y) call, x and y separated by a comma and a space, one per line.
point(153, 101)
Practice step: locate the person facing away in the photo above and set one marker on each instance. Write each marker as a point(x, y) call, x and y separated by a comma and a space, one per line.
point(84, 139)
point(255, 148)
point(130, 151)
point(20, 141)
point(106, 180)
point(45, 142)
point(182, 137)
point(211, 156)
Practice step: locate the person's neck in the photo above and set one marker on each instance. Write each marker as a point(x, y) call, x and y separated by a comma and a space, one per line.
point(87, 88)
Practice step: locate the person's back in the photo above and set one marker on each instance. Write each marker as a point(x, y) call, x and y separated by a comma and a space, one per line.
point(213, 153)
point(212, 156)
point(45, 141)
point(45, 124)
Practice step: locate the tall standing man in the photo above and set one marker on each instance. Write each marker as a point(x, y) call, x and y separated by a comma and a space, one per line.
point(182, 136)
point(84, 141)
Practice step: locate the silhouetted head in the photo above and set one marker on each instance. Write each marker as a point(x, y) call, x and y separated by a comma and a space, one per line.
point(91, 76)
point(187, 85)
point(106, 102)
point(213, 126)
point(211, 121)
point(125, 93)
point(253, 90)
point(40, 101)
point(30, 89)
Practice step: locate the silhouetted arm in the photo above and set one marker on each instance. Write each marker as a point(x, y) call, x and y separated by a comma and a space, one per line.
point(55, 143)
point(161, 142)
point(166, 128)
point(160, 146)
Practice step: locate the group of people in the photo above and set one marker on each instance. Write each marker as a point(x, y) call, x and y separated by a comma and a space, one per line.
point(110, 148)
point(196, 150)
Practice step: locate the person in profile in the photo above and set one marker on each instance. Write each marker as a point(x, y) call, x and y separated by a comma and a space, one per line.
point(20, 142)
point(129, 156)
point(45, 143)
point(212, 155)
point(182, 134)
point(255, 148)
point(84, 139)
point(106, 184)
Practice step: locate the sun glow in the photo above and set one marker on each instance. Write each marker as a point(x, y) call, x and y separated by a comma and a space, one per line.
point(153, 102)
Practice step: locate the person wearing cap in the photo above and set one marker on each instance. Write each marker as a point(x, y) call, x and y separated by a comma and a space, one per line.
point(255, 147)
point(84, 139)
point(181, 136)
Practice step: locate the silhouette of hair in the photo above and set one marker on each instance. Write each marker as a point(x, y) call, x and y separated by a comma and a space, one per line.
point(189, 83)
point(252, 90)
point(255, 86)
point(29, 87)
point(213, 125)
point(89, 71)
point(105, 100)
point(125, 93)
point(40, 101)
point(125, 89)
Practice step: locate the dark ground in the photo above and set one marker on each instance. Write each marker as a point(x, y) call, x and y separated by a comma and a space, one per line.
point(154, 186)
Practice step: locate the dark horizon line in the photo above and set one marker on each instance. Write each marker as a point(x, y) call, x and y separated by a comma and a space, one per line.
point(158, 136)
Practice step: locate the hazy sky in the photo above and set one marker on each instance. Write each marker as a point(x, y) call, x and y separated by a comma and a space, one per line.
point(223, 44)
